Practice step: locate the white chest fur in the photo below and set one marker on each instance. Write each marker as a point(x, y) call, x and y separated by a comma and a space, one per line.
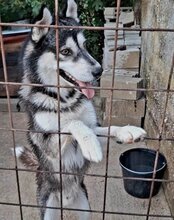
point(48, 121)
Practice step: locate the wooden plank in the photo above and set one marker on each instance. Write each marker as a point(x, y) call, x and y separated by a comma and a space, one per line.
point(14, 39)
point(13, 76)
point(12, 90)
point(12, 51)
point(11, 58)
point(13, 102)
point(13, 47)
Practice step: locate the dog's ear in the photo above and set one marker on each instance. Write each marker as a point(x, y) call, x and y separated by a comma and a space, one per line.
point(71, 10)
point(44, 18)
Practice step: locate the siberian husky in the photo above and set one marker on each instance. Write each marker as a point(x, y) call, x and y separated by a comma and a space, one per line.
point(77, 115)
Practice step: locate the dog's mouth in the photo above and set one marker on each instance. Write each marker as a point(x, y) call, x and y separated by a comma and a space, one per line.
point(83, 87)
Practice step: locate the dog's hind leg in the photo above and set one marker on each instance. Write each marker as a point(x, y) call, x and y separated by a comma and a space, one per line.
point(81, 202)
point(52, 214)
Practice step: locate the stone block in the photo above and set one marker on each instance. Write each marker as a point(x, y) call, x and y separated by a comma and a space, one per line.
point(126, 108)
point(126, 14)
point(111, 33)
point(123, 72)
point(110, 43)
point(121, 82)
point(130, 43)
point(126, 17)
point(112, 10)
point(123, 121)
point(125, 59)
point(131, 32)
point(133, 41)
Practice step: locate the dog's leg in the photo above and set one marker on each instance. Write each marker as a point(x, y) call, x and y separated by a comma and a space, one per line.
point(88, 141)
point(82, 203)
point(52, 214)
point(126, 134)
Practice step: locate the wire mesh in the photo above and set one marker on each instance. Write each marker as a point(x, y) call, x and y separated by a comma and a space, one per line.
point(106, 176)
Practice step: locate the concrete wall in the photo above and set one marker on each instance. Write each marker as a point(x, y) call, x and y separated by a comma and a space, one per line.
point(157, 51)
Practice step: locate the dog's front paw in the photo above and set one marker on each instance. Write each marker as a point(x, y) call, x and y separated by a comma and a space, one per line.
point(91, 148)
point(130, 134)
point(87, 140)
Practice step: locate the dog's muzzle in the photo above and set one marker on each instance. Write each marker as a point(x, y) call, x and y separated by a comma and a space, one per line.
point(97, 72)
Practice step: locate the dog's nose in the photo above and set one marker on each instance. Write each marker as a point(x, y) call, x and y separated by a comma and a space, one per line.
point(97, 72)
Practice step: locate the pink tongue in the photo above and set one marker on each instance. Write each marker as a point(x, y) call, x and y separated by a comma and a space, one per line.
point(89, 93)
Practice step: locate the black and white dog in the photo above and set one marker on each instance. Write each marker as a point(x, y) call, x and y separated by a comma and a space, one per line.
point(77, 114)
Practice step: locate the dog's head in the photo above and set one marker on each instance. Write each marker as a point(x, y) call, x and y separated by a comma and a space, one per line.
point(77, 66)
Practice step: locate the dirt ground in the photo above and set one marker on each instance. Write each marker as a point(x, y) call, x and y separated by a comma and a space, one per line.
point(117, 200)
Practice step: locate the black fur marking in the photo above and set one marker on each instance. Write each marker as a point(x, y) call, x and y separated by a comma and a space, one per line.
point(82, 53)
point(36, 108)
point(71, 93)
point(45, 165)
point(84, 188)
point(44, 188)
point(18, 106)
point(36, 149)
point(46, 136)
point(52, 94)
point(75, 105)
point(75, 144)
point(87, 57)
point(43, 202)
point(98, 124)
point(32, 66)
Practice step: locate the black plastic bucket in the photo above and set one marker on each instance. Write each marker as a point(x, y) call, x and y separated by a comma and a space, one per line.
point(139, 162)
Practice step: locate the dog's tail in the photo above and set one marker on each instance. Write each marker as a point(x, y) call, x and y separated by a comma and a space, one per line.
point(26, 156)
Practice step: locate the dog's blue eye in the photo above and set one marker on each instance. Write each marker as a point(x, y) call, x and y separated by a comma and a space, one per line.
point(66, 52)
